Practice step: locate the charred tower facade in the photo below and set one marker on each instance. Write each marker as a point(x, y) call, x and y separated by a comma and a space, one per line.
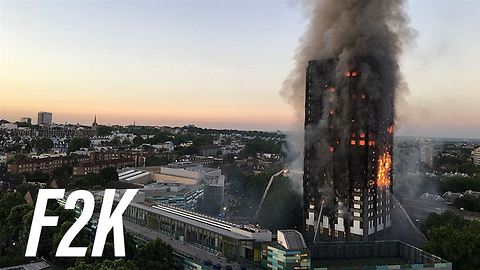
point(347, 178)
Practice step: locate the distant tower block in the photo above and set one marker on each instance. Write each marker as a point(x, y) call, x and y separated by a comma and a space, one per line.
point(348, 155)
point(426, 153)
point(44, 118)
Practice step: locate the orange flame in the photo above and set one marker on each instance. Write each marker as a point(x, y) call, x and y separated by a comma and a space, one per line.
point(384, 169)
point(390, 129)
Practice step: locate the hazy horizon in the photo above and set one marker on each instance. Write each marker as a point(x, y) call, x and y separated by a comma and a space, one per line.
point(215, 64)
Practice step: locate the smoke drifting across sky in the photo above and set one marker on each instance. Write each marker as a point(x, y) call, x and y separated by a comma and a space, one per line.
point(368, 34)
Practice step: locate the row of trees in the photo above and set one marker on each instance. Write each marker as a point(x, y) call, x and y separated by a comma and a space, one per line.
point(460, 184)
point(454, 158)
point(257, 145)
point(454, 239)
point(43, 145)
point(93, 180)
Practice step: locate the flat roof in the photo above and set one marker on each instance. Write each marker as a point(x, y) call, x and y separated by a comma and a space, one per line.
point(132, 177)
point(195, 219)
point(358, 262)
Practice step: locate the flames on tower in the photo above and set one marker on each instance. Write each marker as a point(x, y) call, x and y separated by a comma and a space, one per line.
point(350, 50)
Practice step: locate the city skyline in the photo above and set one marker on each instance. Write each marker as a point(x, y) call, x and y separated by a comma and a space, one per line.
point(216, 65)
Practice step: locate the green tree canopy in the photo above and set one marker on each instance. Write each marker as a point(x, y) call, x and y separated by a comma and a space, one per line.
point(43, 145)
point(154, 255)
point(77, 143)
point(109, 174)
point(454, 239)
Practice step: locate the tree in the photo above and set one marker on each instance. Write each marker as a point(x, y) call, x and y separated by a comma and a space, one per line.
point(88, 181)
point(469, 203)
point(257, 145)
point(203, 140)
point(109, 174)
point(161, 138)
point(157, 160)
point(447, 218)
point(460, 184)
point(454, 239)
point(43, 145)
point(104, 130)
point(115, 142)
point(137, 141)
point(461, 246)
point(17, 213)
point(9, 200)
point(154, 255)
point(119, 264)
point(12, 211)
point(77, 143)
point(63, 172)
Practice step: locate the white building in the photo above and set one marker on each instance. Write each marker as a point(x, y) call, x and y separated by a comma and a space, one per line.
point(188, 173)
point(27, 120)
point(476, 156)
point(426, 153)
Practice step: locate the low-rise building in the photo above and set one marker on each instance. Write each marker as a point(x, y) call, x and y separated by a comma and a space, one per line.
point(190, 174)
point(173, 194)
point(27, 120)
point(31, 165)
point(209, 150)
point(97, 166)
point(289, 252)
point(134, 176)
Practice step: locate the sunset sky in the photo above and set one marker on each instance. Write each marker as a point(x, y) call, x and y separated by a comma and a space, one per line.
point(213, 63)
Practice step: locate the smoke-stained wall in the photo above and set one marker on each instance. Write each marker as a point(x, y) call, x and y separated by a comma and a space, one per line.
point(348, 139)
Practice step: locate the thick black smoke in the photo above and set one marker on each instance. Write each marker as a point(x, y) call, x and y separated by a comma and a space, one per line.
point(365, 35)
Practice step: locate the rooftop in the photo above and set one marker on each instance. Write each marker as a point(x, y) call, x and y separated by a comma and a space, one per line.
point(205, 222)
point(291, 239)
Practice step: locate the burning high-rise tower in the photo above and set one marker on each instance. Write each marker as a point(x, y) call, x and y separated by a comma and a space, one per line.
point(348, 151)
point(348, 107)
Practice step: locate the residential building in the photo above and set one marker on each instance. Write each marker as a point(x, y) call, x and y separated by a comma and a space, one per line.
point(27, 120)
point(209, 150)
point(44, 118)
point(31, 165)
point(476, 156)
point(348, 156)
point(97, 166)
point(426, 153)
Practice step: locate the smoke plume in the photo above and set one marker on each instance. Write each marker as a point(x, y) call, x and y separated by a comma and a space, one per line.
point(367, 35)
